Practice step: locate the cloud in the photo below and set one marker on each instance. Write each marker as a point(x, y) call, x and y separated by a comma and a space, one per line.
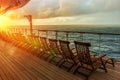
point(57, 8)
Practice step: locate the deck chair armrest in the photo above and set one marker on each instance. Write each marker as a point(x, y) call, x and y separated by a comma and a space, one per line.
point(99, 57)
point(93, 55)
point(73, 51)
point(72, 48)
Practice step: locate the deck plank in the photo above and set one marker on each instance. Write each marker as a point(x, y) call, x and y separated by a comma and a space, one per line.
point(6, 70)
point(16, 64)
point(16, 73)
point(32, 67)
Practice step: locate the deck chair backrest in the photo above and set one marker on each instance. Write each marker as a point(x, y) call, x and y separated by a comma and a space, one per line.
point(33, 40)
point(4, 35)
point(37, 41)
point(66, 49)
point(22, 38)
point(14, 35)
point(83, 52)
point(54, 46)
point(29, 39)
point(44, 43)
point(18, 36)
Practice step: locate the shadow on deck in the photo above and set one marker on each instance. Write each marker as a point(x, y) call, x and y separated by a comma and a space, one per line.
point(16, 64)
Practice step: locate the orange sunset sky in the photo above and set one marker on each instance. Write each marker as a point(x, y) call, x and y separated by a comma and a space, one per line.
point(60, 12)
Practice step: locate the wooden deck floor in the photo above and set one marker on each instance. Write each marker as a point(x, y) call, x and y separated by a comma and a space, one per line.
point(16, 64)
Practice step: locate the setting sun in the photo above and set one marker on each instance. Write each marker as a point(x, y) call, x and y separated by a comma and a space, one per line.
point(4, 22)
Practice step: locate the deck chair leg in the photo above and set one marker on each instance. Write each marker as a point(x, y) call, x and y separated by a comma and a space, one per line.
point(51, 59)
point(41, 55)
point(113, 62)
point(38, 54)
point(46, 58)
point(70, 67)
point(104, 66)
point(76, 70)
point(61, 63)
point(90, 74)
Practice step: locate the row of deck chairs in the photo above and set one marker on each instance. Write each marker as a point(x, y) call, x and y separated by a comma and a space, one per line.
point(60, 52)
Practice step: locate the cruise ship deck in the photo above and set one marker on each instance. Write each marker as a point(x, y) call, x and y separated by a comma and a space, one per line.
point(16, 64)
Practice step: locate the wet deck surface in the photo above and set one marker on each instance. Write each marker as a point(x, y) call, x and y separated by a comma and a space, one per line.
point(16, 64)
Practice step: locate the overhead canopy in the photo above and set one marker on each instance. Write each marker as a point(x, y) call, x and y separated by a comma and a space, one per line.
point(6, 5)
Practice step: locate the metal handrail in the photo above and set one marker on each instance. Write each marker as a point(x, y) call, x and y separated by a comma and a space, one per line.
point(80, 32)
point(98, 42)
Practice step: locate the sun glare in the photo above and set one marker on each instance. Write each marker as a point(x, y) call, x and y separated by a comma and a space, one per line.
point(4, 22)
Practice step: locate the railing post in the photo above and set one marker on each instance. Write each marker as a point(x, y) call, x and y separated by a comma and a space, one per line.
point(29, 17)
point(24, 31)
point(99, 43)
point(119, 43)
point(46, 34)
point(56, 35)
point(38, 32)
point(67, 36)
point(81, 37)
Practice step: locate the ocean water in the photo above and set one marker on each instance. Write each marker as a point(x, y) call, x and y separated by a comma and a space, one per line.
point(109, 44)
point(100, 44)
point(82, 28)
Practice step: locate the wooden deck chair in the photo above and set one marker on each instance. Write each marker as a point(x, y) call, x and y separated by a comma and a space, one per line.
point(4, 36)
point(45, 48)
point(86, 61)
point(18, 39)
point(24, 43)
point(109, 60)
point(11, 38)
point(37, 44)
point(32, 48)
point(69, 56)
point(56, 51)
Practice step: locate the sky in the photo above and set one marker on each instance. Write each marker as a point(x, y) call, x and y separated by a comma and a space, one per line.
point(70, 12)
